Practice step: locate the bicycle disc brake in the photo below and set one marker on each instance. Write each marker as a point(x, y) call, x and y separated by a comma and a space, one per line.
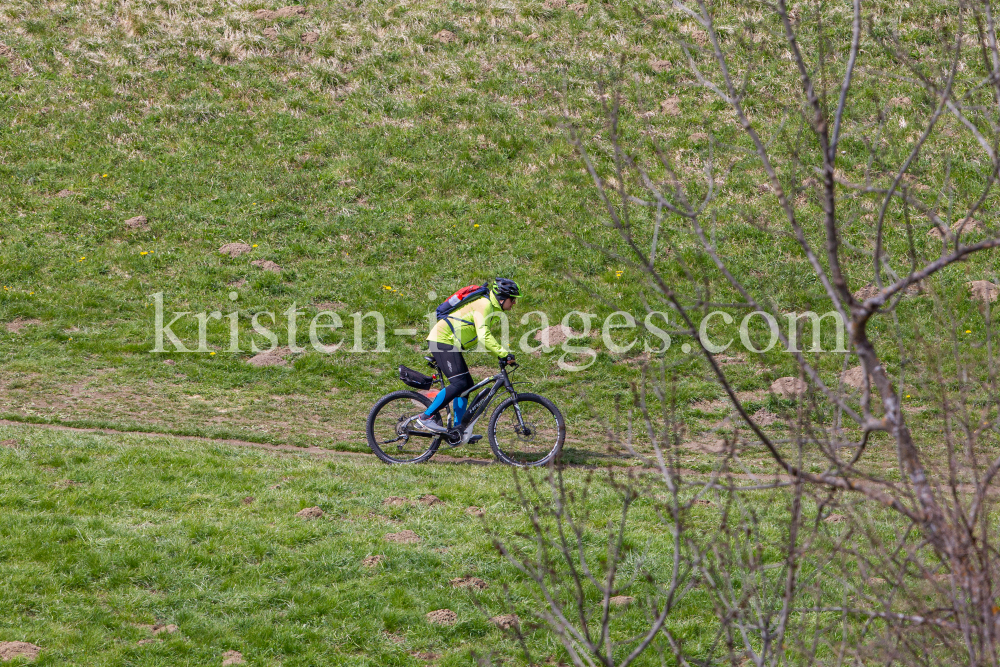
point(525, 433)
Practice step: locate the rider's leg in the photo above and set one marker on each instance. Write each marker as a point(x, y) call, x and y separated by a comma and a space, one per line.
point(451, 362)
point(459, 406)
point(435, 405)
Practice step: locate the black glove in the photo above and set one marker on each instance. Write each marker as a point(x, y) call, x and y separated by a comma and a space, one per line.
point(507, 361)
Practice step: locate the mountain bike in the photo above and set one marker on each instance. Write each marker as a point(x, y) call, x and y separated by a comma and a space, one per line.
point(525, 429)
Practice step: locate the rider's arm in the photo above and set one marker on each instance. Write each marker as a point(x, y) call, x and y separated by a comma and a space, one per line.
point(483, 331)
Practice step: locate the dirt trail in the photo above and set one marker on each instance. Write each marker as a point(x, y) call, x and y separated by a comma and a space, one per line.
point(319, 452)
point(292, 449)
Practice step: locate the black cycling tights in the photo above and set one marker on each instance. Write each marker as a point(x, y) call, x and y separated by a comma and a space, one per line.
point(451, 362)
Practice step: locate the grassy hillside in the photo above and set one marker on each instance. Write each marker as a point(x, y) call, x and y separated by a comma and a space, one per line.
point(375, 152)
point(375, 157)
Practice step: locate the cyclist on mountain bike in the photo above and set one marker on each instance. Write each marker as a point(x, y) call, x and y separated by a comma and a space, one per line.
point(453, 334)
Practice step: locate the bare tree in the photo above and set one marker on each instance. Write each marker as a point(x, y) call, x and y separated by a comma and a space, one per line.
point(914, 568)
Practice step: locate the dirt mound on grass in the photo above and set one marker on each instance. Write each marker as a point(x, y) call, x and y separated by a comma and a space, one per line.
point(445, 37)
point(866, 292)
point(660, 66)
point(310, 37)
point(373, 561)
point(65, 193)
point(156, 629)
point(475, 511)
point(469, 582)
point(138, 222)
point(621, 600)
point(232, 658)
point(789, 387)
point(9, 443)
point(506, 621)
point(965, 226)
point(18, 325)
point(270, 33)
point(854, 377)
point(870, 290)
point(425, 655)
point(671, 106)
point(235, 249)
point(430, 500)
point(266, 265)
point(556, 335)
point(275, 357)
point(442, 617)
point(11, 650)
point(979, 290)
point(403, 537)
point(396, 501)
point(764, 417)
point(310, 513)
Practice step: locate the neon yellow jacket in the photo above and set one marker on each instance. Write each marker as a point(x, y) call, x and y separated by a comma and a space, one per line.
point(469, 323)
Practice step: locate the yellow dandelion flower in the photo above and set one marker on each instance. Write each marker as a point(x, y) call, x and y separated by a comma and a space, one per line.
point(475, 225)
point(31, 294)
point(254, 245)
point(211, 354)
point(907, 395)
point(968, 331)
point(143, 253)
point(104, 175)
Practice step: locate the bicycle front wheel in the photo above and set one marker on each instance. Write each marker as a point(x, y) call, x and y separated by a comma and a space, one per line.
point(389, 432)
point(526, 430)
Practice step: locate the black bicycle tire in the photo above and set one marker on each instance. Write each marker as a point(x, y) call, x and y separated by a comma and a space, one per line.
point(548, 405)
point(370, 428)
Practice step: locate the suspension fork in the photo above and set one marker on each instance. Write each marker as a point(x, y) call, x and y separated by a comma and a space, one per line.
point(513, 395)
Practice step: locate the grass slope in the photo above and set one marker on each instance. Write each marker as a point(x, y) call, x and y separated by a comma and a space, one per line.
point(377, 152)
point(103, 535)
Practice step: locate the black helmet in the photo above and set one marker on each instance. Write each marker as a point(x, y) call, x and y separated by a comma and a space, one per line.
point(505, 288)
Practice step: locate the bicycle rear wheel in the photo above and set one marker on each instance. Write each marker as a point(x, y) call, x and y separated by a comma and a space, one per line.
point(536, 443)
point(392, 438)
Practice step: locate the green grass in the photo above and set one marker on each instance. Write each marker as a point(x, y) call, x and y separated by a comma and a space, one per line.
point(362, 161)
point(103, 534)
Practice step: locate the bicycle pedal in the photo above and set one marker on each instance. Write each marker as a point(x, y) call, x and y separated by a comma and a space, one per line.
point(475, 438)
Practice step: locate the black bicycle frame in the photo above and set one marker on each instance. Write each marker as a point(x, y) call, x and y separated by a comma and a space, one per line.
point(484, 398)
point(482, 401)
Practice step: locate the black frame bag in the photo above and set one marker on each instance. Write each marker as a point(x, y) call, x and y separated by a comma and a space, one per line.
point(415, 379)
